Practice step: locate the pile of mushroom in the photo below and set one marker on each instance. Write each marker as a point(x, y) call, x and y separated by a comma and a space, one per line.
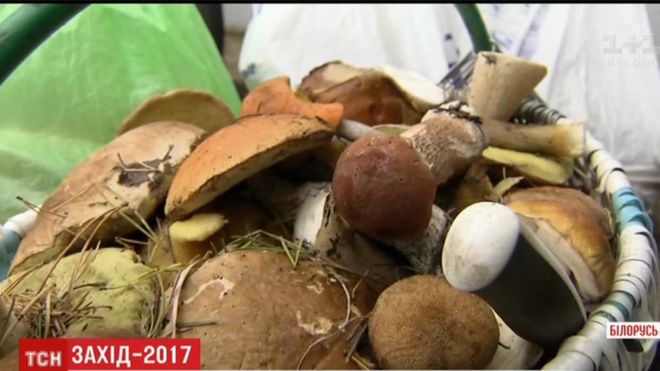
point(358, 220)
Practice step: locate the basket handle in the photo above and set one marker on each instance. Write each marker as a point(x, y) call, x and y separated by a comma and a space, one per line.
point(23, 31)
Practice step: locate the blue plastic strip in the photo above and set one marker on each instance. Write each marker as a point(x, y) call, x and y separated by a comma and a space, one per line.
point(9, 241)
point(622, 308)
point(630, 209)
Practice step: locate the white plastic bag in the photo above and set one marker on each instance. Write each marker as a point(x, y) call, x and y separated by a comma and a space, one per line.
point(601, 58)
point(293, 39)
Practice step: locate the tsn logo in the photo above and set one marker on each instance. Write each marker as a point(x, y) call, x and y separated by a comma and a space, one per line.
point(44, 359)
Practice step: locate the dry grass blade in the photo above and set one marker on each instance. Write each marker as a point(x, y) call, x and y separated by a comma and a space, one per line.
point(129, 241)
point(364, 276)
point(83, 264)
point(163, 302)
point(152, 249)
point(143, 227)
point(34, 207)
point(6, 324)
point(178, 286)
point(321, 340)
point(262, 240)
point(140, 227)
point(158, 315)
point(70, 199)
point(349, 301)
point(313, 345)
point(287, 252)
point(361, 362)
point(16, 280)
point(181, 325)
point(356, 336)
point(48, 313)
point(22, 313)
point(103, 218)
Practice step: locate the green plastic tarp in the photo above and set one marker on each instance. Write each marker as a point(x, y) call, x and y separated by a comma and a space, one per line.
point(68, 97)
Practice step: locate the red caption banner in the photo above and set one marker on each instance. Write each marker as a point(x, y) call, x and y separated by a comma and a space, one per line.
point(109, 354)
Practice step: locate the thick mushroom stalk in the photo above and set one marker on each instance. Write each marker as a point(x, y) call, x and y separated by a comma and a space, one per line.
point(562, 140)
point(500, 82)
point(424, 252)
point(282, 197)
point(449, 145)
point(318, 225)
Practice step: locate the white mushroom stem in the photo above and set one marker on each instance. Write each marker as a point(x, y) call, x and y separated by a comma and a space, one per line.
point(353, 130)
point(279, 195)
point(424, 253)
point(319, 225)
point(565, 140)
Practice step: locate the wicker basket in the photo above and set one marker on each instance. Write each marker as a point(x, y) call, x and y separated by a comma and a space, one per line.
point(634, 295)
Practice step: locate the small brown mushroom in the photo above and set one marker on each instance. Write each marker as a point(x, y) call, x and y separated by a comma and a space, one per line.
point(421, 322)
point(383, 188)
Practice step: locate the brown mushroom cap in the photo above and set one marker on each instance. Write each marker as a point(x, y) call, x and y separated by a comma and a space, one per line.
point(276, 96)
point(267, 312)
point(569, 195)
point(238, 151)
point(130, 174)
point(195, 107)
point(383, 188)
point(367, 95)
point(574, 216)
point(421, 322)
